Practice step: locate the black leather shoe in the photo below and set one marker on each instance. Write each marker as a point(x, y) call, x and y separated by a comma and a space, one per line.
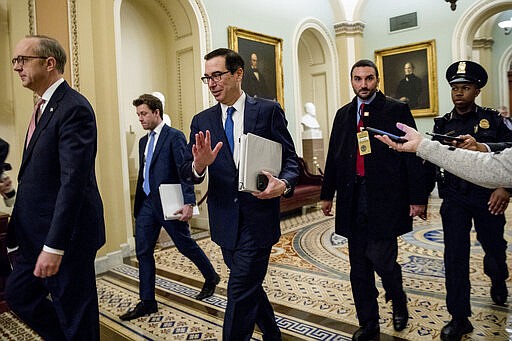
point(208, 288)
point(368, 333)
point(454, 330)
point(141, 309)
point(400, 315)
point(499, 292)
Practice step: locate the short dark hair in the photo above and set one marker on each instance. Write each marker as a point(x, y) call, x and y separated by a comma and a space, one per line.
point(233, 60)
point(151, 101)
point(363, 63)
point(50, 47)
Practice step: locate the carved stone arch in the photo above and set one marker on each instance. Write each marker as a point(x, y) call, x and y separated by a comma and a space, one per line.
point(159, 46)
point(505, 67)
point(469, 23)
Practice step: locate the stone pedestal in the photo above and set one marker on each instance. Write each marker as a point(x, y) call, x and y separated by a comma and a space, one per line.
point(313, 154)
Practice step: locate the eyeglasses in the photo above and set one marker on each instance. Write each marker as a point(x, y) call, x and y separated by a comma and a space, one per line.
point(22, 59)
point(216, 77)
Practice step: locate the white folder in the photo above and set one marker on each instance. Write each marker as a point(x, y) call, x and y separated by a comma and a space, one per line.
point(171, 197)
point(256, 154)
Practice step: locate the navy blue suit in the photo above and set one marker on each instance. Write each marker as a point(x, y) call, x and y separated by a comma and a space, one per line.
point(245, 227)
point(149, 217)
point(58, 205)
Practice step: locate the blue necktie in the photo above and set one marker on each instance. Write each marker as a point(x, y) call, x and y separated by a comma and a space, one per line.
point(229, 129)
point(149, 156)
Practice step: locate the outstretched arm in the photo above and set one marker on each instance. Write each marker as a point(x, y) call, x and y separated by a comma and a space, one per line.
point(489, 170)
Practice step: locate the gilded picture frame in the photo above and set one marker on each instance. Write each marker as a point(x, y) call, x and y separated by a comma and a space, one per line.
point(408, 73)
point(265, 52)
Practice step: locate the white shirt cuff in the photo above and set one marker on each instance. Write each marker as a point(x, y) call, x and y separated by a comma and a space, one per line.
point(12, 249)
point(52, 250)
point(196, 174)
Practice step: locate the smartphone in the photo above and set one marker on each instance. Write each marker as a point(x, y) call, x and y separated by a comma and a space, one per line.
point(261, 182)
point(393, 137)
point(441, 137)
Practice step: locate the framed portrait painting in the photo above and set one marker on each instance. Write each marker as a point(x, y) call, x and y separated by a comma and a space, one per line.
point(408, 73)
point(262, 55)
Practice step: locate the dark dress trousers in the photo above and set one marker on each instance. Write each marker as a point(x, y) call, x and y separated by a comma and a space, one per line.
point(245, 227)
point(464, 205)
point(149, 217)
point(372, 211)
point(58, 205)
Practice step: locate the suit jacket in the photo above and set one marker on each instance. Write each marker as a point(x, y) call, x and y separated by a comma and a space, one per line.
point(226, 205)
point(164, 169)
point(393, 180)
point(58, 203)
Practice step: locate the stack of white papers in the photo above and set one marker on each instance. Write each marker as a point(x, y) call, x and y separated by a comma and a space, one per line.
point(256, 154)
point(171, 197)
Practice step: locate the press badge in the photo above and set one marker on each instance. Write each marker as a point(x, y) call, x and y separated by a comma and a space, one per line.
point(363, 142)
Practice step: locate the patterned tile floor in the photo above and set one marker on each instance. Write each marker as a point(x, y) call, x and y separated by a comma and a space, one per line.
point(308, 282)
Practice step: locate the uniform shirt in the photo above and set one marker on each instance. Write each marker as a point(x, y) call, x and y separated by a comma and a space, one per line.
point(483, 124)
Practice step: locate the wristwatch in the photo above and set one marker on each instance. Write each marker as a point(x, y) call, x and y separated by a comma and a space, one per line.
point(288, 188)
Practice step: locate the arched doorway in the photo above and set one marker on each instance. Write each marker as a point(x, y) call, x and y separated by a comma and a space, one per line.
point(158, 48)
point(316, 82)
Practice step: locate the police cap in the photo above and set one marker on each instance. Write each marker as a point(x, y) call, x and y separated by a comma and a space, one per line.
point(466, 71)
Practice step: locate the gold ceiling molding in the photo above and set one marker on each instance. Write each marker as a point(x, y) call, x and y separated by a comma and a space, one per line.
point(348, 28)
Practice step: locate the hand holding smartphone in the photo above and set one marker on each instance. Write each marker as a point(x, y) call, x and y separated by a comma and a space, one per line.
point(393, 137)
point(441, 137)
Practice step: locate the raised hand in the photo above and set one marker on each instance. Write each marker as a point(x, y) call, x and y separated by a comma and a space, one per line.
point(202, 151)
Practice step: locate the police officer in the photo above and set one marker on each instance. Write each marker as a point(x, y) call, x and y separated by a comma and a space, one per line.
point(465, 203)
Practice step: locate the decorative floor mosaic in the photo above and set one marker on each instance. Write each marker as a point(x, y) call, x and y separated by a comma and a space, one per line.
point(309, 272)
point(169, 323)
point(114, 301)
point(13, 329)
point(308, 276)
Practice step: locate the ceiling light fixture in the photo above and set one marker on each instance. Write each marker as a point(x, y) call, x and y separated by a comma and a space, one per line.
point(506, 25)
point(453, 4)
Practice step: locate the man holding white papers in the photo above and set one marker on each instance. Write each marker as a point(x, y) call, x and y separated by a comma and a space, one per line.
point(160, 156)
point(245, 225)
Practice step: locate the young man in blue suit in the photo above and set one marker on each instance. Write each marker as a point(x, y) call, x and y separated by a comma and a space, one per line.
point(160, 156)
point(245, 225)
point(57, 220)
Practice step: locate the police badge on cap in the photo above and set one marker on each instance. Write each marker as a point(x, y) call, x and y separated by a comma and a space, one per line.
point(466, 71)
